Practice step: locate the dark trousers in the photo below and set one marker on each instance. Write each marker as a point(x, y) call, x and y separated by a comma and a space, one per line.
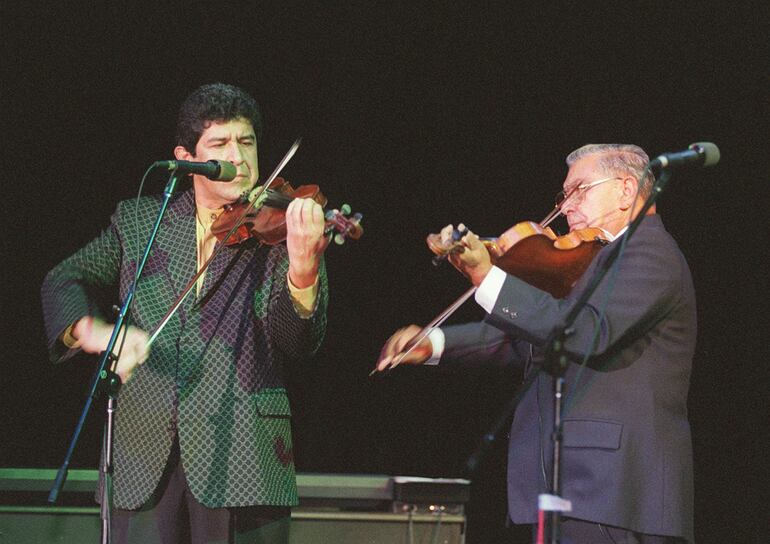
point(174, 516)
point(575, 531)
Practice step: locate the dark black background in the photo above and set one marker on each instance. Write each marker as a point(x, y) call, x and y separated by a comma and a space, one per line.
point(417, 117)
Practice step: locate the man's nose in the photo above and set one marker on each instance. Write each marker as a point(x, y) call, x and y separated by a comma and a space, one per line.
point(234, 153)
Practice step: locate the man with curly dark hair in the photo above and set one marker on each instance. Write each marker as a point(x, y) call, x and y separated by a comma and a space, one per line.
point(202, 447)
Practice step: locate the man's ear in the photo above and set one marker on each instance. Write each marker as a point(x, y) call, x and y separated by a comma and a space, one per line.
point(629, 192)
point(181, 154)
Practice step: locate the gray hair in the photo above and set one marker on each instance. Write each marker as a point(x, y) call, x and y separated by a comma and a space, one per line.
point(619, 159)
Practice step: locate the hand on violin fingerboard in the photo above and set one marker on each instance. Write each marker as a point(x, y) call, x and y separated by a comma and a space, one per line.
point(474, 260)
point(305, 240)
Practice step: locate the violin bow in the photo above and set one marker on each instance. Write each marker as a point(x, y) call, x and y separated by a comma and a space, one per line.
point(427, 329)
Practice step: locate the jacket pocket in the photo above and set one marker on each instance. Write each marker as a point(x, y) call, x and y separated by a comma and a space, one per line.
point(273, 402)
point(592, 433)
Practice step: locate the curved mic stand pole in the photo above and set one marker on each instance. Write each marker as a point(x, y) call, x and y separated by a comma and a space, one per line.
point(556, 362)
point(106, 380)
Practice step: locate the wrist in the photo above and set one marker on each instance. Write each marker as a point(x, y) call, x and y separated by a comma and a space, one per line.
point(302, 277)
point(478, 273)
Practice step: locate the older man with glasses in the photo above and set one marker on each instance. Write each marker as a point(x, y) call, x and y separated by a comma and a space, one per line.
point(627, 453)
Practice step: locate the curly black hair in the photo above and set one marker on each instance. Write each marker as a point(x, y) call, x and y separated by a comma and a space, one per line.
point(214, 102)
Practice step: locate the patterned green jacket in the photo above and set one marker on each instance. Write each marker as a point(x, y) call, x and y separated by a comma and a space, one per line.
point(213, 378)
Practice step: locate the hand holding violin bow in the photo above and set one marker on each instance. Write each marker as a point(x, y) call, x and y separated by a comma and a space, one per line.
point(405, 346)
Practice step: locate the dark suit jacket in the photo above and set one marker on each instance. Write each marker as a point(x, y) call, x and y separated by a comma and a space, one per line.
point(213, 378)
point(627, 456)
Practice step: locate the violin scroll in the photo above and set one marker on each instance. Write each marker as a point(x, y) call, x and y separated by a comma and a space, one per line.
point(443, 249)
point(345, 225)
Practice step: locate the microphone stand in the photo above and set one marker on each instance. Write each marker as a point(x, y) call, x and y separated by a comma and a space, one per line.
point(106, 380)
point(556, 363)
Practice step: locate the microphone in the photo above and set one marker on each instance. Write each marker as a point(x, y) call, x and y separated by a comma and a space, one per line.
point(214, 170)
point(699, 153)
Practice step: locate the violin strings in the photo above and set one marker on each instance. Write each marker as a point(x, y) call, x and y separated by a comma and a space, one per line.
point(276, 199)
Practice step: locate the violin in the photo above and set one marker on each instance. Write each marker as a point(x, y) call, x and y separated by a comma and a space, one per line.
point(535, 254)
point(530, 251)
point(266, 222)
point(262, 215)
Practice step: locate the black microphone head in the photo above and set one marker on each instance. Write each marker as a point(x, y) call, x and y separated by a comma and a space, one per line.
point(709, 150)
point(226, 171)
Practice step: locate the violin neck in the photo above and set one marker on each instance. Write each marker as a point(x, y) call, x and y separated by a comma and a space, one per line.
point(347, 227)
point(280, 200)
point(277, 199)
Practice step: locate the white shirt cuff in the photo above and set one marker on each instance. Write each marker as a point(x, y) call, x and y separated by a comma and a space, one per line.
point(436, 338)
point(489, 290)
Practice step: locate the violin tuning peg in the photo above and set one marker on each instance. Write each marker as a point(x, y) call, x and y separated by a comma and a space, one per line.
point(345, 210)
point(438, 260)
point(339, 239)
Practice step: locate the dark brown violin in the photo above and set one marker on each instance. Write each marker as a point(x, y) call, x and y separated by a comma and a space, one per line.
point(262, 216)
point(536, 255)
point(530, 251)
point(266, 222)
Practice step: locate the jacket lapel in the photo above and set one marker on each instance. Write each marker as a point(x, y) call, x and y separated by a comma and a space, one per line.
point(178, 242)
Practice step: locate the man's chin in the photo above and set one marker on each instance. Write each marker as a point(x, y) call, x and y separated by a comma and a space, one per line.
point(240, 185)
point(230, 192)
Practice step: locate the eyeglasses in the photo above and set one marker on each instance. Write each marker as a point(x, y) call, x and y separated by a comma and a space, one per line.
point(578, 192)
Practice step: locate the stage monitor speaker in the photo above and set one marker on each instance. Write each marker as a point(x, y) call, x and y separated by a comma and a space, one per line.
point(334, 508)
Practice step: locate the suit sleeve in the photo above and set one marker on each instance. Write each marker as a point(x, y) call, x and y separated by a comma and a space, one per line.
point(295, 336)
point(646, 287)
point(77, 286)
point(480, 344)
